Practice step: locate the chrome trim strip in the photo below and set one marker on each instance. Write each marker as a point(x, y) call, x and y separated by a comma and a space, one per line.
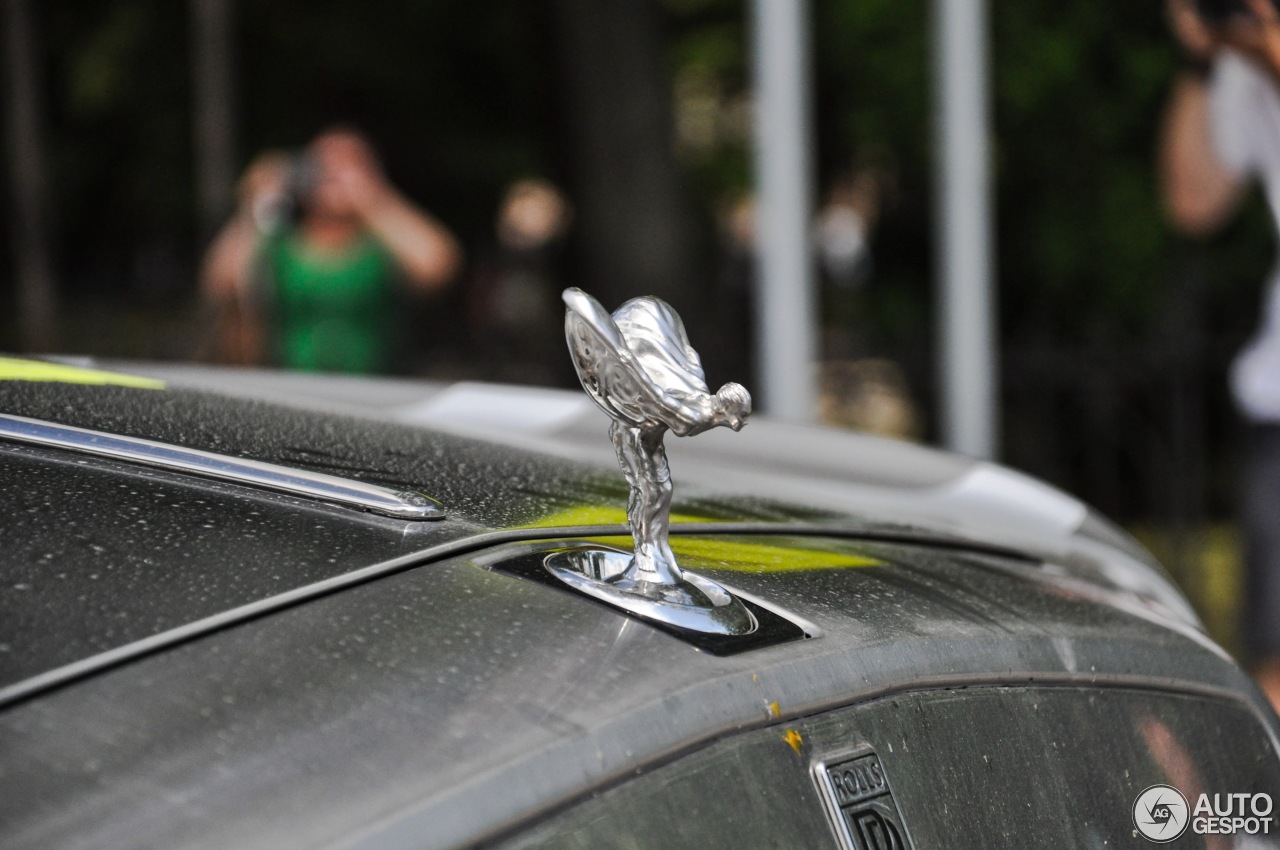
point(269, 476)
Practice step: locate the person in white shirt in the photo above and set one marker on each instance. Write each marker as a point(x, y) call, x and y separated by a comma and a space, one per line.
point(1221, 133)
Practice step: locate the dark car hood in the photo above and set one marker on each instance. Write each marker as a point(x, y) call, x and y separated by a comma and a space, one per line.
point(453, 702)
point(189, 663)
point(105, 554)
point(116, 560)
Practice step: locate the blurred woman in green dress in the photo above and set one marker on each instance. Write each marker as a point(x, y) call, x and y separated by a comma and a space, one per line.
point(320, 293)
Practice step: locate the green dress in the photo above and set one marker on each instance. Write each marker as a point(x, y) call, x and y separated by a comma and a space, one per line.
point(330, 312)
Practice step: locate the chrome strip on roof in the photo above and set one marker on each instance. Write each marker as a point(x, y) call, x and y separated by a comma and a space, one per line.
point(282, 479)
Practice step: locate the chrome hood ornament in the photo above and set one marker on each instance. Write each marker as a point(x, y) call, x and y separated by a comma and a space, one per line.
point(639, 367)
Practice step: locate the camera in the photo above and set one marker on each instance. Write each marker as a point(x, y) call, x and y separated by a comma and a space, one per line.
point(304, 175)
point(1217, 12)
point(279, 203)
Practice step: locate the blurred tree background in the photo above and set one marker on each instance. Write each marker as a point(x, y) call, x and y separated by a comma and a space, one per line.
point(1116, 335)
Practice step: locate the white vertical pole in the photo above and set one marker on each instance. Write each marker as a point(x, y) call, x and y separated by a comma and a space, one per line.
point(967, 359)
point(785, 304)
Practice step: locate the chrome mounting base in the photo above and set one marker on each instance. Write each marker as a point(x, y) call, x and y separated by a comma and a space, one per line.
point(693, 602)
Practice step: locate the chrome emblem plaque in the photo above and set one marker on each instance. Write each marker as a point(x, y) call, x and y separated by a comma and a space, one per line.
point(858, 798)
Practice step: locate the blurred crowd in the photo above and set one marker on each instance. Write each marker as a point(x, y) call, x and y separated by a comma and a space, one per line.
point(317, 266)
point(1221, 133)
point(325, 266)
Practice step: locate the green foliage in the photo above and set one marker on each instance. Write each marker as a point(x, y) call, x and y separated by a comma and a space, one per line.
point(459, 97)
point(1106, 316)
point(462, 97)
point(119, 138)
point(1077, 92)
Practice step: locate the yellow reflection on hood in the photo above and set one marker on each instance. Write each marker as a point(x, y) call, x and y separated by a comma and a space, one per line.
point(40, 371)
point(748, 557)
point(600, 515)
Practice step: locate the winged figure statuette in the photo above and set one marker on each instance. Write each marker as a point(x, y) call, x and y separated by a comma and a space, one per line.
point(638, 366)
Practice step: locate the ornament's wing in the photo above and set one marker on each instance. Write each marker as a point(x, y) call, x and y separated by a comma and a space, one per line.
point(609, 372)
point(653, 332)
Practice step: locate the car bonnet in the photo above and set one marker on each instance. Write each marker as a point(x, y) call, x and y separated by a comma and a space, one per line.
point(424, 684)
point(101, 555)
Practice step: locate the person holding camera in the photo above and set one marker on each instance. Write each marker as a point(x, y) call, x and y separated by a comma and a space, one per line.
point(1222, 132)
point(307, 274)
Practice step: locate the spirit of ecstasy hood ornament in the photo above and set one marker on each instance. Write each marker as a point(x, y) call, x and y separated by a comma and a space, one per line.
point(638, 366)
